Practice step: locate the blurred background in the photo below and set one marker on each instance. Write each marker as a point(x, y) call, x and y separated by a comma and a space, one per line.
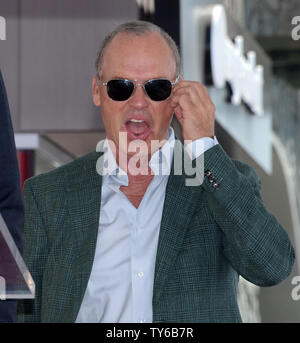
point(47, 62)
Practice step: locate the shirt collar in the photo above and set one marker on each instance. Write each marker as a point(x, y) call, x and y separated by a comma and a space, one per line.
point(160, 162)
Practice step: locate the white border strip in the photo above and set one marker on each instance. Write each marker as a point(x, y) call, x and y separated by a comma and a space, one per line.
point(27, 141)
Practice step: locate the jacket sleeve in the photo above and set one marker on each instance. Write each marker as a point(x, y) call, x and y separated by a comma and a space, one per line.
point(35, 255)
point(255, 243)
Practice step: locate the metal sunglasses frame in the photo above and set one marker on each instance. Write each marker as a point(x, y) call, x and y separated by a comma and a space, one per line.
point(135, 84)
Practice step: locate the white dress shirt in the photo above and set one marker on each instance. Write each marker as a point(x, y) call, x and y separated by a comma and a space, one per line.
point(120, 286)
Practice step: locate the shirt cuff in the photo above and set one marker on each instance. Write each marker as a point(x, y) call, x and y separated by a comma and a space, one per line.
point(200, 145)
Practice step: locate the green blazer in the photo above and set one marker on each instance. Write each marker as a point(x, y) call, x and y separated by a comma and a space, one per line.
point(208, 236)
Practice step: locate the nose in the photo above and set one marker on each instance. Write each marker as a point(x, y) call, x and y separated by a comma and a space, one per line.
point(139, 99)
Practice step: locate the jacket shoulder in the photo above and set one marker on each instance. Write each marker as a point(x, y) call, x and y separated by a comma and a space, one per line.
point(61, 176)
point(249, 173)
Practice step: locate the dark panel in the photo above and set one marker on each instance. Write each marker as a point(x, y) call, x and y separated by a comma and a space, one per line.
point(167, 17)
point(10, 56)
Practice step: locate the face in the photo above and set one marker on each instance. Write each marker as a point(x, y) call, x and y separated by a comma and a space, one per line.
point(139, 58)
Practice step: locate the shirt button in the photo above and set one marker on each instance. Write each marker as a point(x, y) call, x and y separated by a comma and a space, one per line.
point(140, 274)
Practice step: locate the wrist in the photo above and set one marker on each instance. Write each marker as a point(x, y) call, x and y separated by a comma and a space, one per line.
point(192, 138)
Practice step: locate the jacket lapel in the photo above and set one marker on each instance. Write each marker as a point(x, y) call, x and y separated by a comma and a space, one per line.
point(84, 198)
point(179, 206)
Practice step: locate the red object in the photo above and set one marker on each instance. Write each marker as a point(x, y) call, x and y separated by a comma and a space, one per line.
point(26, 164)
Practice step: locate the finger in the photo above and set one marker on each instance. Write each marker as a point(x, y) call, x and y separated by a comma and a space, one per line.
point(194, 87)
point(178, 113)
point(180, 99)
point(201, 95)
point(187, 98)
point(187, 91)
point(204, 95)
point(186, 84)
point(200, 88)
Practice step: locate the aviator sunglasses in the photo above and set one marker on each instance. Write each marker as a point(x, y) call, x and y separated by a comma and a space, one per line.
point(122, 89)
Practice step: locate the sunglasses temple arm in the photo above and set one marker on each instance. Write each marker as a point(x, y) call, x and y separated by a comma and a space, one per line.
point(177, 79)
point(99, 80)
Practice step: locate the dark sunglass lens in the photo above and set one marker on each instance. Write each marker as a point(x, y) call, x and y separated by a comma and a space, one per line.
point(158, 90)
point(119, 90)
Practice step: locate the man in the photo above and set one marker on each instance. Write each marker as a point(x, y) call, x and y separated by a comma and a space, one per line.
point(139, 247)
point(11, 203)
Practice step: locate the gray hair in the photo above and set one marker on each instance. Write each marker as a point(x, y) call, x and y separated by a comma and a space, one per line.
point(138, 28)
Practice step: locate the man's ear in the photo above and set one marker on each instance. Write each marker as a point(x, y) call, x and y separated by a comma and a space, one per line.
point(96, 91)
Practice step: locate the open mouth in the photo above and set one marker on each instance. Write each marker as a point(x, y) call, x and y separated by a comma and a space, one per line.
point(137, 129)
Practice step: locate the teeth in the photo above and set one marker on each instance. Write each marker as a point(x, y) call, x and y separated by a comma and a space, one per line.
point(136, 121)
